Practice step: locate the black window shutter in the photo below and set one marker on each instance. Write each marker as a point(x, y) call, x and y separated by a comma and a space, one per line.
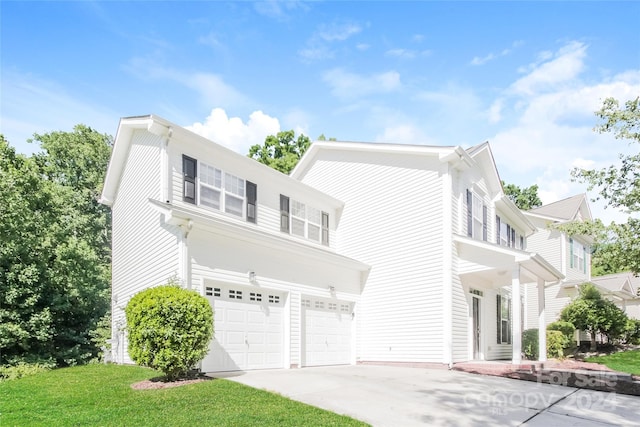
point(484, 222)
point(252, 197)
point(325, 228)
point(513, 237)
point(497, 229)
point(189, 171)
point(284, 213)
point(508, 235)
point(499, 317)
point(469, 214)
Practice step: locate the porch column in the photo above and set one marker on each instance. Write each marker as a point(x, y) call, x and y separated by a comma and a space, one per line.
point(542, 326)
point(516, 318)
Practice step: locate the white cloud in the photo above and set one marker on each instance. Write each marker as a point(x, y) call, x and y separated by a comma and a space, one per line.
point(211, 40)
point(338, 31)
point(212, 88)
point(481, 60)
point(318, 46)
point(34, 105)
point(495, 111)
point(407, 53)
point(344, 84)
point(402, 134)
point(233, 133)
point(565, 66)
point(552, 132)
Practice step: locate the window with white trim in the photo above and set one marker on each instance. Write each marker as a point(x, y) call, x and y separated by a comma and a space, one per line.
point(503, 314)
point(302, 220)
point(476, 217)
point(507, 235)
point(578, 255)
point(218, 190)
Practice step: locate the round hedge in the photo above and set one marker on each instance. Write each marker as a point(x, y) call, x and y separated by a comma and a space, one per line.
point(169, 329)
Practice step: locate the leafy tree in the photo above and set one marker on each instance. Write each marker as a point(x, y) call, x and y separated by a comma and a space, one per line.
point(169, 329)
point(592, 313)
point(282, 151)
point(324, 138)
point(54, 257)
point(618, 244)
point(525, 198)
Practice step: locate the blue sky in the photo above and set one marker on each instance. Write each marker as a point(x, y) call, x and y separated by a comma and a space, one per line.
point(525, 76)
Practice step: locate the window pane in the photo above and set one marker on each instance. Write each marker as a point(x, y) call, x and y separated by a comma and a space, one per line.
point(209, 197)
point(314, 215)
point(210, 175)
point(234, 185)
point(314, 232)
point(233, 205)
point(298, 209)
point(297, 227)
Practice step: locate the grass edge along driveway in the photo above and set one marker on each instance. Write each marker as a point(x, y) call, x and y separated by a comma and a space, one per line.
point(626, 361)
point(102, 395)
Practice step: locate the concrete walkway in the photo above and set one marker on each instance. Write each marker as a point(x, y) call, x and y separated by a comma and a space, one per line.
point(394, 396)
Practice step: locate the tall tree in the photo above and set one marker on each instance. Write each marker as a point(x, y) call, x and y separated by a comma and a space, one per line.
point(54, 260)
point(619, 185)
point(525, 198)
point(282, 151)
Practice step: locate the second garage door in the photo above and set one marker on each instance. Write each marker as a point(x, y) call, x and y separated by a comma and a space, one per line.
point(248, 329)
point(326, 336)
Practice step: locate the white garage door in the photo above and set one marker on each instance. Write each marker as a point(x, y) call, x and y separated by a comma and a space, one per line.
point(248, 329)
point(326, 333)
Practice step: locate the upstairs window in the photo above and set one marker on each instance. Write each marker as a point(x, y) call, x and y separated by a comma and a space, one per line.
point(578, 255)
point(302, 220)
point(219, 190)
point(476, 217)
point(506, 235)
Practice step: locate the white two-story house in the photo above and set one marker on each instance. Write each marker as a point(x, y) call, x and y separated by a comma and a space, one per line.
point(571, 255)
point(367, 253)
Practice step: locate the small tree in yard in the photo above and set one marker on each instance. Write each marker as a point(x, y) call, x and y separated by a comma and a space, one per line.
point(592, 313)
point(169, 329)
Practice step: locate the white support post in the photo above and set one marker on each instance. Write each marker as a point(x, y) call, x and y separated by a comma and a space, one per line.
point(516, 323)
point(542, 327)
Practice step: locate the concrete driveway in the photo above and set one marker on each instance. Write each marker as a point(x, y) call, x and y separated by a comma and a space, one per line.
point(394, 396)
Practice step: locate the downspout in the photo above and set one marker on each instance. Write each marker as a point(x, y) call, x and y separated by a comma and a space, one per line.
point(165, 177)
point(447, 265)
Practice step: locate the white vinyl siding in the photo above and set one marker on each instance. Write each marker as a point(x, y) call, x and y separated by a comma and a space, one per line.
point(392, 221)
point(144, 255)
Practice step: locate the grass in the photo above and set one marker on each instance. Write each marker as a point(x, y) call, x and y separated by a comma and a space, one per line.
point(101, 395)
point(626, 361)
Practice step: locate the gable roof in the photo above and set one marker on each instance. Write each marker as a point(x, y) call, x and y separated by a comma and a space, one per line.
point(444, 153)
point(170, 131)
point(569, 209)
point(620, 283)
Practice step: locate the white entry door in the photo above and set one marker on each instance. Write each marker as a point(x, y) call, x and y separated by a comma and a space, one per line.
point(248, 329)
point(326, 333)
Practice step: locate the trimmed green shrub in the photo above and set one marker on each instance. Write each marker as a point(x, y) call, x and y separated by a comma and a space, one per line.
point(530, 344)
point(632, 333)
point(556, 343)
point(169, 329)
point(566, 328)
point(22, 370)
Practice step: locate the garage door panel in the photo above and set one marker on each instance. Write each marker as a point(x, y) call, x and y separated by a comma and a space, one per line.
point(326, 331)
point(248, 330)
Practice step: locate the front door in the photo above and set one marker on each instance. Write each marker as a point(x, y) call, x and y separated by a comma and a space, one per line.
point(476, 327)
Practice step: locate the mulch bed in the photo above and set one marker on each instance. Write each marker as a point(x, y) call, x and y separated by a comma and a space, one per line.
point(161, 382)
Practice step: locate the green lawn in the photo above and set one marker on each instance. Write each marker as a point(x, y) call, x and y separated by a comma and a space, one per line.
point(626, 361)
point(100, 395)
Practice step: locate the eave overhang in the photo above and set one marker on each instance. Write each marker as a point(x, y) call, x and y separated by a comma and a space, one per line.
point(190, 218)
point(496, 263)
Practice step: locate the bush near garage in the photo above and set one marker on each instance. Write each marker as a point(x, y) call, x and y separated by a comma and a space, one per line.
point(169, 329)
